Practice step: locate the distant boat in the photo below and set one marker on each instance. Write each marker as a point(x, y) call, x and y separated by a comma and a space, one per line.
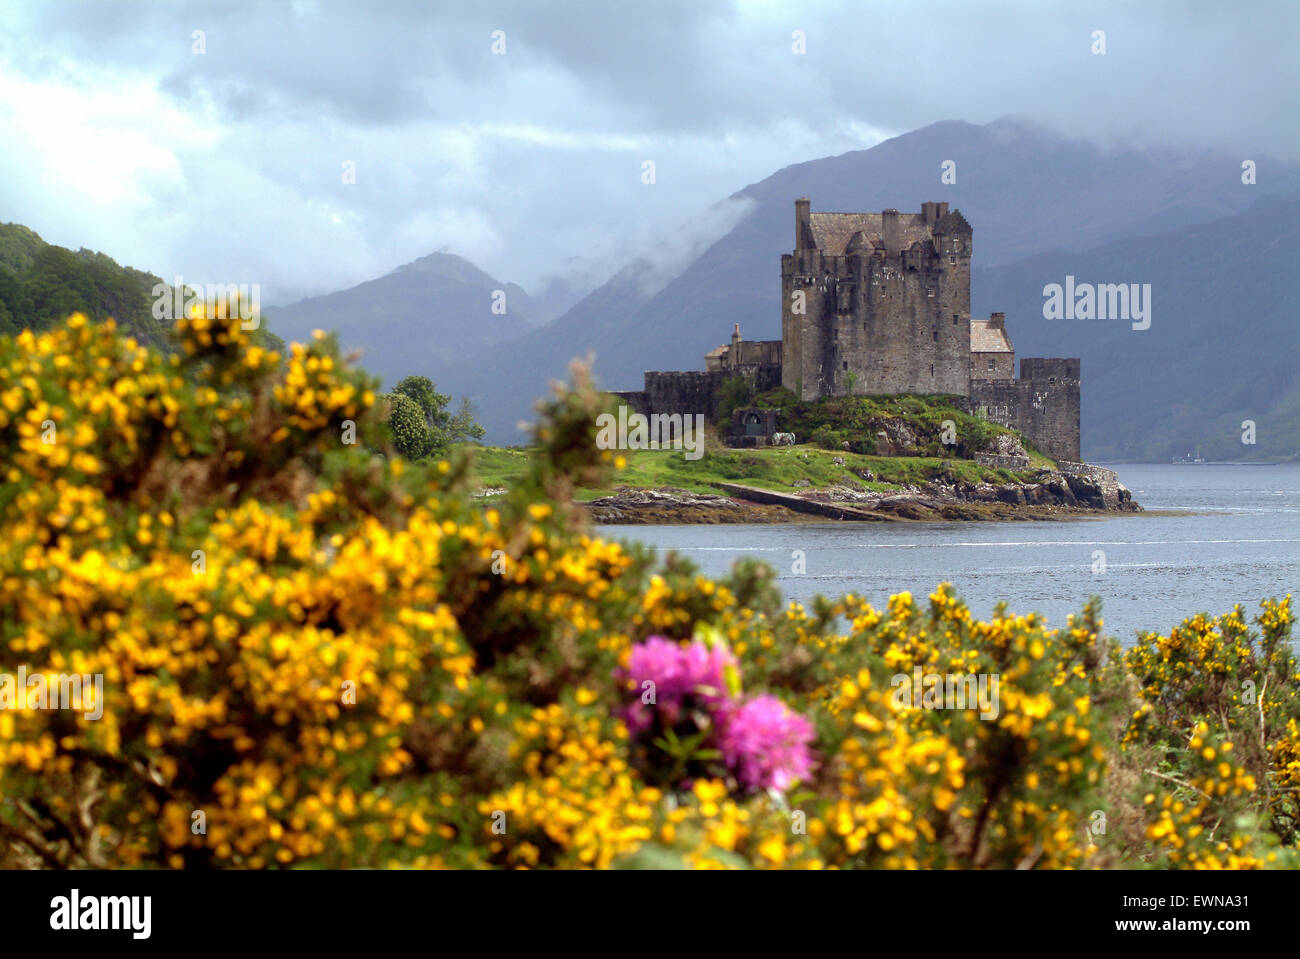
point(1188, 459)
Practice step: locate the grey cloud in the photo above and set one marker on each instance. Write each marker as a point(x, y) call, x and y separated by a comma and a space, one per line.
point(440, 128)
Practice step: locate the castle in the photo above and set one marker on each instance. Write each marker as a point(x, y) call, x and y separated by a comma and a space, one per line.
point(879, 303)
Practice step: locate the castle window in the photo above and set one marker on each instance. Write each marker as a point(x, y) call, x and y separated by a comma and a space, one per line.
point(930, 293)
point(952, 260)
point(846, 364)
point(1051, 381)
point(936, 336)
point(954, 319)
point(992, 363)
point(932, 369)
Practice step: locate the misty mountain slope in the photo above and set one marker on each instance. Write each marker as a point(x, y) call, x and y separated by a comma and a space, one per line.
point(504, 383)
point(1024, 190)
point(1222, 346)
point(421, 318)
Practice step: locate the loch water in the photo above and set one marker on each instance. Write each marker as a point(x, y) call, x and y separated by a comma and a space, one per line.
point(1212, 536)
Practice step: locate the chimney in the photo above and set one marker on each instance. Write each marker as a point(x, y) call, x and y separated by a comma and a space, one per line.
point(997, 321)
point(891, 236)
point(943, 210)
point(802, 222)
point(734, 354)
point(931, 213)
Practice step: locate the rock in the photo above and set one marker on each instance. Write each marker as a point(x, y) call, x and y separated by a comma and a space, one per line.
point(895, 439)
point(865, 474)
point(838, 461)
point(1087, 491)
point(1011, 493)
point(1006, 444)
point(845, 446)
point(671, 505)
point(801, 482)
point(1059, 490)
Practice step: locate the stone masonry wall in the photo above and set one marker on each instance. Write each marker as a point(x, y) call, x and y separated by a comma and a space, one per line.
point(877, 321)
point(1043, 404)
point(692, 391)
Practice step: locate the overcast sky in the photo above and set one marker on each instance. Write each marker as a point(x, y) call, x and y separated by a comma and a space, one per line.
point(228, 165)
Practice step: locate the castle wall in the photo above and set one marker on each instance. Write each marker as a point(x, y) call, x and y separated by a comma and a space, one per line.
point(877, 323)
point(1043, 404)
point(693, 391)
point(1003, 366)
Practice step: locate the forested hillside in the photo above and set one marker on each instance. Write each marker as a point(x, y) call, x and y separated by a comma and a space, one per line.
point(42, 284)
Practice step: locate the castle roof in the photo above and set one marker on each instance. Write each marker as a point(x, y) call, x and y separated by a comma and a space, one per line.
point(953, 222)
point(833, 231)
point(987, 338)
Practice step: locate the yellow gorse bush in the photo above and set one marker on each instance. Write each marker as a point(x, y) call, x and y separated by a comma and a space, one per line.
point(313, 654)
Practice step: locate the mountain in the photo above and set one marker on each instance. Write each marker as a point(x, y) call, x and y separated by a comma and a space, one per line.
point(422, 318)
point(41, 283)
point(1221, 348)
point(1025, 191)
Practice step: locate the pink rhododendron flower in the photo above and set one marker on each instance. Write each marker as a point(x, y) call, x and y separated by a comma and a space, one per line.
point(678, 672)
point(765, 743)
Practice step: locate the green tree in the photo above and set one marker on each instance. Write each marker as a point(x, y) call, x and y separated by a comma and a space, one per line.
point(463, 426)
point(60, 285)
point(443, 427)
point(407, 427)
point(736, 391)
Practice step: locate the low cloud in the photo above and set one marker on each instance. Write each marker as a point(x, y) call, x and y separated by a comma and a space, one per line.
point(229, 162)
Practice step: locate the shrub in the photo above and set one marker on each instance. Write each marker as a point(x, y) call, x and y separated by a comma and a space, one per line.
point(312, 656)
point(825, 438)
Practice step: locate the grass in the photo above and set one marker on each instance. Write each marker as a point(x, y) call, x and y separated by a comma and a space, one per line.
point(772, 468)
point(826, 423)
point(857, 419)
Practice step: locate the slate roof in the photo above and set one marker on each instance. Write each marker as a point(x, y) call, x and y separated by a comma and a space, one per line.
point(952, 222)
point(988, 339)
point(833, 231)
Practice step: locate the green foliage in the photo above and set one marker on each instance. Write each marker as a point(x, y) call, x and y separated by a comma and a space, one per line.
point(60, 285)
point(857, 419)
point(826, 438)
point(432, 404)
point(407, 427)
point(41, 284)
point(463, 426)
point(18, 247)
point(775, 468)
point(736, 392)
point(1213, 679)
point(487, 647)
point(420, 423)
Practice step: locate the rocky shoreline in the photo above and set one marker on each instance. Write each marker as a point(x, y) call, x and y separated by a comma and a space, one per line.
point(1075, 491)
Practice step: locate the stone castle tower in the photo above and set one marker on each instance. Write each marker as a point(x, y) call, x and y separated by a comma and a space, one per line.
point(877, 303)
